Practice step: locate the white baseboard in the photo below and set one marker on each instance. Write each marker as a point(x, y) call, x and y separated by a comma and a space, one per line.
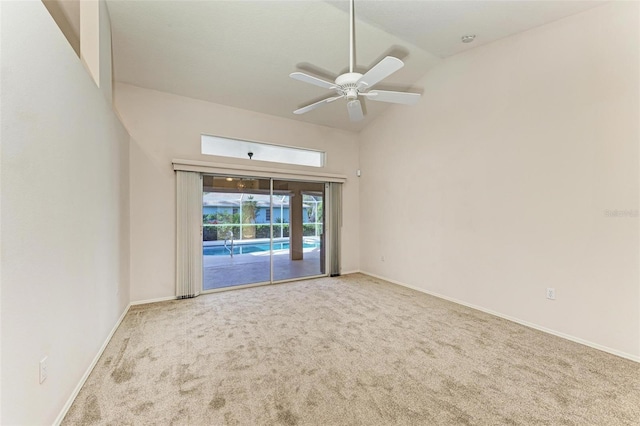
point(158, 299)
point(84, 378)
point(356, 271)
point(516, 320)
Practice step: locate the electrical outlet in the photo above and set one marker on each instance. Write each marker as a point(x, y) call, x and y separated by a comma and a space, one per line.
point(381, 258)
point(44, 369)
point(551, 293)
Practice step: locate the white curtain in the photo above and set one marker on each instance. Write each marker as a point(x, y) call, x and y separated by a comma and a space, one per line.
point(189, 234)
point(334, 225)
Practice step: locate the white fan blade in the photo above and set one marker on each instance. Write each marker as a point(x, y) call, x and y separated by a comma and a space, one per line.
point(380, 71)
point(355, 110)
point(316, 105)
point(394, 97)
point(312, 80)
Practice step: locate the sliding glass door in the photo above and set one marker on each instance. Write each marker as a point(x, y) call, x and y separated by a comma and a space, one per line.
point(236, 231)
point(258, 230)
point(302, 252)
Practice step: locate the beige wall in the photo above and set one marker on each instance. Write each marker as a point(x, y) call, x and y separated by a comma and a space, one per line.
point(90, 37)
point(105, 65)
point(496, 185)
point(66, 13)
point(64, 223)
point(164, 127)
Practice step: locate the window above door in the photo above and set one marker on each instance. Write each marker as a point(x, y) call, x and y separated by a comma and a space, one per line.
point(260, 151)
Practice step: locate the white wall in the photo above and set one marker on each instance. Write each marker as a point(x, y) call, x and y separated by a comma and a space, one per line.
point(164, 127)
point(106, 65)
point(496, 185)
point(90, 37)
point(64, 222)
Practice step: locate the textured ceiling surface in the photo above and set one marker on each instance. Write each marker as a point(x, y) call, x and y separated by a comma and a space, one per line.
point(240, 53)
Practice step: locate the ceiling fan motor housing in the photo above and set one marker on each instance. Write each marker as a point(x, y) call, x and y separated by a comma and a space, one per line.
point(348, 84)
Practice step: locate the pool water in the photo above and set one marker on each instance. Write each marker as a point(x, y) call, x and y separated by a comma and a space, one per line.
point(250, 248)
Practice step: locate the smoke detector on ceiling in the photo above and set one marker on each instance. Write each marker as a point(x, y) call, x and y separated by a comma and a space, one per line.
point(468, 38)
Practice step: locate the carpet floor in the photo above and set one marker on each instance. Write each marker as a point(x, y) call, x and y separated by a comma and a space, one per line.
point(351, 350)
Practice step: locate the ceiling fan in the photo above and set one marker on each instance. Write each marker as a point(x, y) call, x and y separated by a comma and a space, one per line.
point(352, 85)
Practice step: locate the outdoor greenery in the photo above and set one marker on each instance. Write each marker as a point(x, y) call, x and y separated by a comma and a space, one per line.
point(314, 214)
point(309, 229)
point(225, 226)
point(249, 210)
point(215, 232)
point(219, 232)
point(220, 226)
point(221, 218)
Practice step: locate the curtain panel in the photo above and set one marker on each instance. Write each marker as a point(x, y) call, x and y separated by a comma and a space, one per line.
point(188, 234)
point(334, 225)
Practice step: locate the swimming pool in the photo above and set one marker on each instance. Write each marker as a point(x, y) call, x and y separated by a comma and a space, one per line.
point(243, 248)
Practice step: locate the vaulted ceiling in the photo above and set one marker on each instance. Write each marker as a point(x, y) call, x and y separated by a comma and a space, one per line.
point(240, 53)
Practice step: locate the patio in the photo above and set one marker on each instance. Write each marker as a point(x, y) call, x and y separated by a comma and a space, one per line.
point(227, 271)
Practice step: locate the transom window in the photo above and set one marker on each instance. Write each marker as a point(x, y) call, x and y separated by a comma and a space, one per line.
point(260, 151)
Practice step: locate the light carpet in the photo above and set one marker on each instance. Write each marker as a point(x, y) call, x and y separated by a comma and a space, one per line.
point(349, 350)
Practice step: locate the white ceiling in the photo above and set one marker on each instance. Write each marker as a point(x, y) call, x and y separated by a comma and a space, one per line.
point(240, 53)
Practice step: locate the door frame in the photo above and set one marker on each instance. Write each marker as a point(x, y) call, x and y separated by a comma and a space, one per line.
point(299, 178)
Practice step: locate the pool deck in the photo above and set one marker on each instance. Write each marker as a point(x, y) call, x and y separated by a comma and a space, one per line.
point(227, 271)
